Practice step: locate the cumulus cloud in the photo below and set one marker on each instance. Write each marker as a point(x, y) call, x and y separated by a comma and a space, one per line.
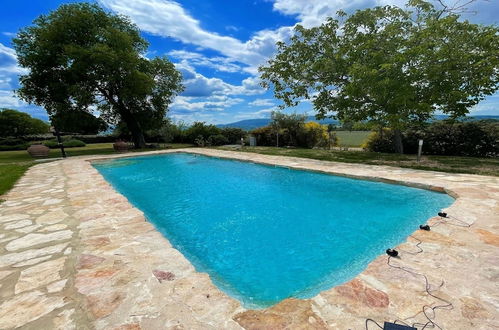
point(9, 72)
point(197, 85)
point(218, 63)
point(156, 17)
point(262, 103)
point(9, 100)
point(313, 13)
point(183, 104)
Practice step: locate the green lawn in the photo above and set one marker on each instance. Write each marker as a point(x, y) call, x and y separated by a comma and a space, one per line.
point(471, 165)
point(13, 164)
point(351, 138)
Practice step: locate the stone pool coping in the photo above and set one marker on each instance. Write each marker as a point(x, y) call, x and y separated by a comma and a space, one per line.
point(74, 253)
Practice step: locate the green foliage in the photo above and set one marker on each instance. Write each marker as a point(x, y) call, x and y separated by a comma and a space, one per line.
point(313, 135)
point(16, 123)
point(201, 129)
point(380, 141)
point(233, 134)
point(297, 134)
point(217, 140)
point(78, 122)
point(290, 125)
point(13, 144)
point(72, 143)
point(266, 136)
point(474, 139)
point(388, 65)
point(81, 56)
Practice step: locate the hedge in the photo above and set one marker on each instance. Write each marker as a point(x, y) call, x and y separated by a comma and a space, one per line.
point(473, 139)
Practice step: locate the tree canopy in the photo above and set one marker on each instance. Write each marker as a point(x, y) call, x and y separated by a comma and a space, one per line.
point(388, 65)
point(75, 121)
point(82, 58)
point(16, 123)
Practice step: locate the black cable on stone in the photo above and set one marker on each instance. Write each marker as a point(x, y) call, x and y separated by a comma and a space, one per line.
point(447, 304)
point(426, 310)
point(450, 220)
point(371, 320)
point(420, 250)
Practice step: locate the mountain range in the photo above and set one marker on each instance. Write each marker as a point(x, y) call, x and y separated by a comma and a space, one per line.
point(250, 124)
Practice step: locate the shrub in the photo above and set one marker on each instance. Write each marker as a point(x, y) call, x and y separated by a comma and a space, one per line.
point(474, 139)
point(313, 135)
point(13, 144)
point(380, 141)
point(94, 138)
point(73, 143)
point(233, 134)
point(266, 136)
point(217, 140)
point(200, 129)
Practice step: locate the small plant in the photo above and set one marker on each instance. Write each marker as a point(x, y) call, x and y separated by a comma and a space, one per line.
point(199, 141)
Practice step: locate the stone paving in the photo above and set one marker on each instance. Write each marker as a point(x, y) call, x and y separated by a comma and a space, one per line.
point(75, 254)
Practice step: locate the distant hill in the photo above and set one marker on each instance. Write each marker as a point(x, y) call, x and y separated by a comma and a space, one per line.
point(250, 124)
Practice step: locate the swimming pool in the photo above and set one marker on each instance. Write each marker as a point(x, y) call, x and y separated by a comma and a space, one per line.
point(267, 233)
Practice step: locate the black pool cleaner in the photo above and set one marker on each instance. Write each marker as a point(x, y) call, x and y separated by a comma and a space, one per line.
point(392, 252)
point(424, 227)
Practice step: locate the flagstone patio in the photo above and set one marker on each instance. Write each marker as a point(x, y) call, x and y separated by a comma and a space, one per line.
point(75, 254)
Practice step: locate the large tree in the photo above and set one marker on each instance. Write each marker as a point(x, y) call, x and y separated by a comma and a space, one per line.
point(81, 57)
point(388, 65)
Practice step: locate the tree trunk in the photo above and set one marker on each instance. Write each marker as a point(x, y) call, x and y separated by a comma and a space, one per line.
point(134, 126)
point(397, 141)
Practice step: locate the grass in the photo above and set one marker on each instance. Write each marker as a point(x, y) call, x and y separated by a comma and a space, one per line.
point(351, 138)
point(13, 164)
point(450, 164)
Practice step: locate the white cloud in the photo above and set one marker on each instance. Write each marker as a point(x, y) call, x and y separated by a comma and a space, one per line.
point(262, 103)
point(183, 104)
point(9, 100)
point(313, 12)
point(197, 85)
point(157, 17)
point(8, 62)
point(218, 63)
point(9, 71)
point(168, 19)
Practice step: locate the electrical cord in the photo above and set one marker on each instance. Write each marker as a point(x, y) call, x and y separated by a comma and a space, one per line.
point(420, 250)
point(371, 320)
point(426, 309)
point(445, 220)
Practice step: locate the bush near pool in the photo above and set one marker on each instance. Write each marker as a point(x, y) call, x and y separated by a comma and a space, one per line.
point(73, 143)
point(472, 139)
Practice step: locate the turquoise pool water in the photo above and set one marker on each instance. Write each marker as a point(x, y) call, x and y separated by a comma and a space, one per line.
point(267, 233)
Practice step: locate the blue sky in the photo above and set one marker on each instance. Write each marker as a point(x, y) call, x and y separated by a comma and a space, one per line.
point(216, 44)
